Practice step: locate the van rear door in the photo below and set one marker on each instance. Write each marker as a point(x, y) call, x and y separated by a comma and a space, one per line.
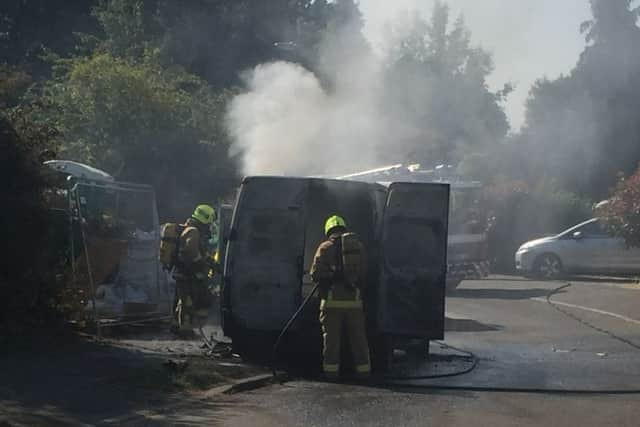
point(263, 266)
point(413, 260)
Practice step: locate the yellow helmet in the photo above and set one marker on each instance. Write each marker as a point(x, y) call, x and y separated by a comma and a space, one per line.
point(333, 222)
point(204, 213)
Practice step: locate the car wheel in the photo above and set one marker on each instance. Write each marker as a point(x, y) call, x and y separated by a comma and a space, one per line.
point(547, 267)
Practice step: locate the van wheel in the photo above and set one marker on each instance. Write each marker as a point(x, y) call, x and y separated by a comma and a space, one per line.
point(381, 353)
point(418, 348)
point(547, 267)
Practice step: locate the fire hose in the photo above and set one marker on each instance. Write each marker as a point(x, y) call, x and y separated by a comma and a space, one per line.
point(294, 317)
point(287, 326)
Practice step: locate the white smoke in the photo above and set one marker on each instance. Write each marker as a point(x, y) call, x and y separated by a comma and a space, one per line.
point(290, 122)
point(286, 123)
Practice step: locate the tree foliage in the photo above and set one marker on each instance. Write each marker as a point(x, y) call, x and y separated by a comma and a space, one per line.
point(13, 83)
point(213, 39)
point(26, 287)
point(139, 87)
point(29, 29)
point(143, 124)
point(583, 129)
point(436, 84)
point(621, 212)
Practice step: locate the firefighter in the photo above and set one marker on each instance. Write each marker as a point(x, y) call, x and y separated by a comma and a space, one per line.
point(339, 268)
point(191, 270)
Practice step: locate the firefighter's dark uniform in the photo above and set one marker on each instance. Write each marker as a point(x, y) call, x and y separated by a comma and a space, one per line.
point(340, 308)
point(191, 274)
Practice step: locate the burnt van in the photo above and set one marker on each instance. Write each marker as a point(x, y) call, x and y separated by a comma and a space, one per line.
point(276, 227)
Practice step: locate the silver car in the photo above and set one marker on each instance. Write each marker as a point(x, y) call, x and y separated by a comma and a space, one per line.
point(582, 249)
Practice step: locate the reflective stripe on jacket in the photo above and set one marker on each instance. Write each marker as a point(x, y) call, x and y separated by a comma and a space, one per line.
point(330, 302)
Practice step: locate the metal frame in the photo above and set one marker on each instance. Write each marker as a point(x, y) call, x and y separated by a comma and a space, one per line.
point(73, 196)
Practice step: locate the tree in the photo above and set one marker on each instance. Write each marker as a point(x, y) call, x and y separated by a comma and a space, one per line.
point(146, 82)
point(130, 26)
point(144, 124)
point(31, 28)
point(213, 39)
point(583, 129)
point(436, 90)
point(613, 22)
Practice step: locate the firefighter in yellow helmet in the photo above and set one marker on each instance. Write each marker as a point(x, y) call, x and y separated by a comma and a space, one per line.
point(191, 270)
point(339, 267)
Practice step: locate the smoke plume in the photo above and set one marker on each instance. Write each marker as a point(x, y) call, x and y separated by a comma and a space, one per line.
point(290, 121)
point(286, 123)
point(420, 99)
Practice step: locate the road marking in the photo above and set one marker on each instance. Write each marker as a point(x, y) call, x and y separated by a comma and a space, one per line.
point(630, 285)
point(593, 310)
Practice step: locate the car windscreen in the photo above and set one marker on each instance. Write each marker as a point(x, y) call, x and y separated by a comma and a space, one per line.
point(587, 226)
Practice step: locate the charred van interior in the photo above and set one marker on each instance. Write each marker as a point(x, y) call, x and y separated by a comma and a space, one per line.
point(276, 227)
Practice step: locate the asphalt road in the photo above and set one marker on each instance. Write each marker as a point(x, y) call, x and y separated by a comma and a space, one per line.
point(588, 340)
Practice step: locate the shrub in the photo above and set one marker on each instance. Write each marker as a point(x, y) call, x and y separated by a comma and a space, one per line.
point(621, 213)
point(26, 282)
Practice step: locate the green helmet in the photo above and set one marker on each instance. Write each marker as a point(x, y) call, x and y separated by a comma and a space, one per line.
point(204, 214)
point(333, 222)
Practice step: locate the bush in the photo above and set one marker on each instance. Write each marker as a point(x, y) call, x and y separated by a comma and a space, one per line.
point(13, 83)
point(621, 213)
point(26, 282)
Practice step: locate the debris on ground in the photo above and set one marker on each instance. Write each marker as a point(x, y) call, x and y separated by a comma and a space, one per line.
point(558, 350)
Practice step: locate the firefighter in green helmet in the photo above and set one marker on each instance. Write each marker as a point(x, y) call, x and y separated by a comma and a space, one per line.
point(339, 267)
point(191, 269)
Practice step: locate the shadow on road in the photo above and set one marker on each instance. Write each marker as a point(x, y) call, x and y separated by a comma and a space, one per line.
point(507, 279)
point(508, 294)
point(603, 279)
point(70, 380)
point(573, 278)
point(79, 380)
point(468, 325)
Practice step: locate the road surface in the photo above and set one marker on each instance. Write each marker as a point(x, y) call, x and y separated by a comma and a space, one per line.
point(588, 340)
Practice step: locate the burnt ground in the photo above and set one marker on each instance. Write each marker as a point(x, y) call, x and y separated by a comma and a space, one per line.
point(69, 379)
